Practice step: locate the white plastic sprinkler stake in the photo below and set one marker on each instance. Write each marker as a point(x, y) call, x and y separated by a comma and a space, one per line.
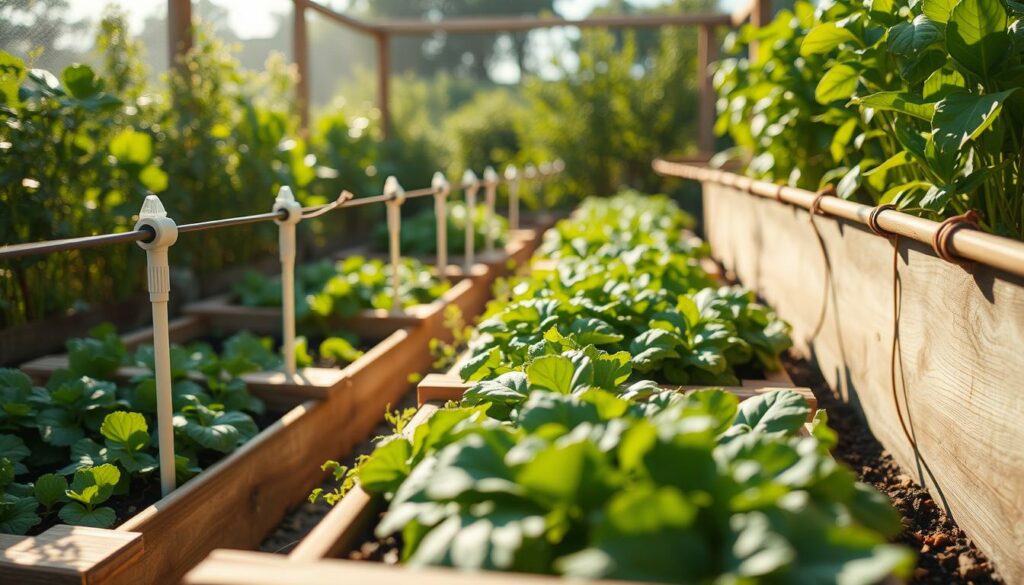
point(490, 195)
point(543, 174)
point(285, 200)
point(396, 197)
point(530, 174)
point(472, 185)
point(165, 232)
point(441, 191)
point(512, 178)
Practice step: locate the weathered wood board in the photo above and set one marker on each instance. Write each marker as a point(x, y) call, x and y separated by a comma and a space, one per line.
point(961, 365)
point(227, 567)
point(73, 555)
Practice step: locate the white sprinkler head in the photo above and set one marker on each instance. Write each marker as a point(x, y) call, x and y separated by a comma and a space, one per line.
point(511, 173)
point(469, 179)
point(490, 176)
point(154, 216)
point(285, 199)
point(440, 184)
point(394, 191)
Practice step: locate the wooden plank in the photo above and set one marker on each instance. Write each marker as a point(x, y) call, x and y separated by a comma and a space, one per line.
point(237, 501)
point(960, 334)
point(229, 567)
point(471, 25)
point(67, 554)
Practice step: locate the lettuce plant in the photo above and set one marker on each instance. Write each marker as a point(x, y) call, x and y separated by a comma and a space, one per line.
point(674, 488)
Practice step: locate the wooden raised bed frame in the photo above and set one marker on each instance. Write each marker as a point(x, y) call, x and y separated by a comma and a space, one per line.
point(312, 562)
point(960, 335)
point(237, 501)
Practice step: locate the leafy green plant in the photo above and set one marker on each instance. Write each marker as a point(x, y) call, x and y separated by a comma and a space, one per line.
point(579, 485)
point(90, 488)
point(418, 236)
point(84, 427)
point(918, 104)
point(342, 289)
point(624, 283)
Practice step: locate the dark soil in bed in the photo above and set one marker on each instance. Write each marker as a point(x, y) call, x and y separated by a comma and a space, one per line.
point(945, 554)
point(300, 521)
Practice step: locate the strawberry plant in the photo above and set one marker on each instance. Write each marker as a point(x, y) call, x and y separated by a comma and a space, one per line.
point(96, 431)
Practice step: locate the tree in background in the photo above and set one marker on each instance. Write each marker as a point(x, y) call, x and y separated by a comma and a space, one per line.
point(471, 55)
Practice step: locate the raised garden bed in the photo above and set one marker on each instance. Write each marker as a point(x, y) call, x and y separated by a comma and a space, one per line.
point(576, 374)
point(257, 483)
point(959, 331)
point(343, 529)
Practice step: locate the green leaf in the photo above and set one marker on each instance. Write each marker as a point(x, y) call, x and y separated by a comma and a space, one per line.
point(838, 83)
point(820, 430)
point(825, 37)
point(938, 10)
point(961, 117)
point(14, 450)
point(78, 515)
point(653, 346)
point(941, 83)
point(12, 73)
point(896, 101)
point(339, 350)
point(217, 430)
point(94, 485)
point(899, 159)
point(302, 357)
point(388, 467)
point(594, 332)
point(128, 429)
point(976, 35)
point(503, 393)
point(841, 139)
point(49, 489)
point(81, 81)
point(910, 38)
point(132, 148)
point(17, 514)
point(551, 372)
point(772, 412)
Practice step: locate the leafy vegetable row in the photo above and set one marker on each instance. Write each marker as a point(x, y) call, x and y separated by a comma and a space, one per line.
point(559, 461)
point(419, 232)
point(627, 280)
point(917, 103)
point(327, 290)
point(86, 426)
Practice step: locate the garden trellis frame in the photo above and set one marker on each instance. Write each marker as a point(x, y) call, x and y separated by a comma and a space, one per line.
point(179, 17)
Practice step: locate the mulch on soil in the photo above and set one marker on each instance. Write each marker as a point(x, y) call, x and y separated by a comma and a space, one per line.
point(945, 554)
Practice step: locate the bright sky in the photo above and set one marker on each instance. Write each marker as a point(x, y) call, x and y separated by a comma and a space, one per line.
point(253, 18)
